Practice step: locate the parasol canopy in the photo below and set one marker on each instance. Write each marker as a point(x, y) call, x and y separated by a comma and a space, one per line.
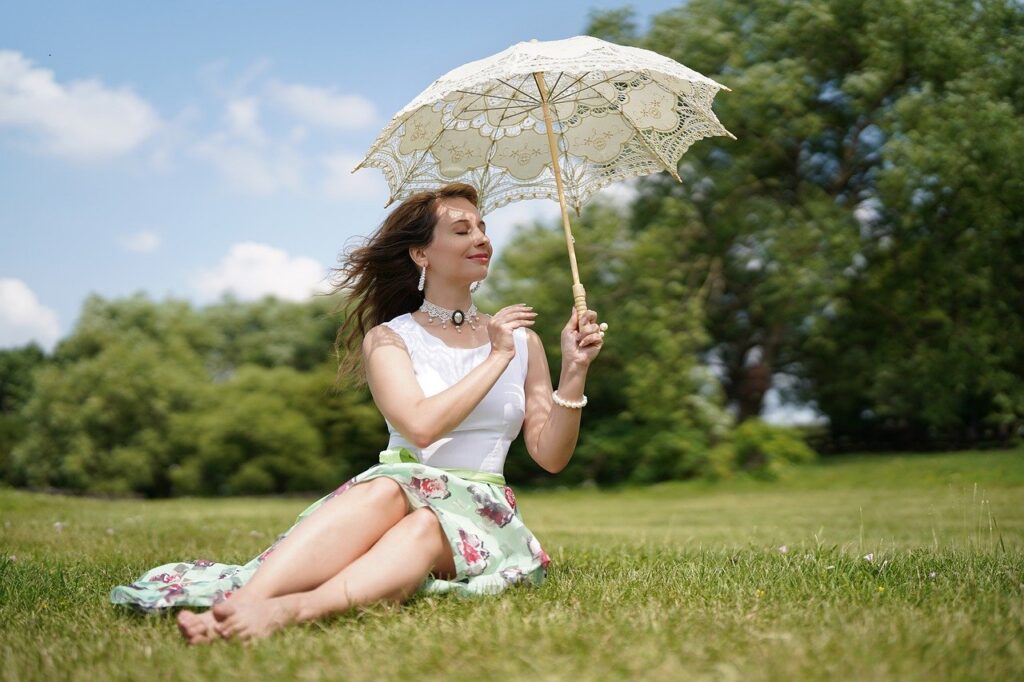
point(558, 119)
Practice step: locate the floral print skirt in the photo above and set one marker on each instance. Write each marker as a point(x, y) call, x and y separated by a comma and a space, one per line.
point(492, 547)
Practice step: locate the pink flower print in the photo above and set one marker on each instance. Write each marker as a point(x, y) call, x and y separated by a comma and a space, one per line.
point(472, 550)
point(430, 487)
point(512, 575)
point(510, 497)
point(538, 552)
point(489, 509)
point(166, 578)
point(201, 563)
point(171, 590)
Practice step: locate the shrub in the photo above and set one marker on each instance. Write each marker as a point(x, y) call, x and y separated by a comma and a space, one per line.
point(763, 450)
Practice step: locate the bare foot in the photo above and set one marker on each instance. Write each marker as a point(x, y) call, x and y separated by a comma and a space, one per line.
point(198, 628)
point(257, 619)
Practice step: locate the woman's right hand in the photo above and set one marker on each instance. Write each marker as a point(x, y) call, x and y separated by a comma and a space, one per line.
point(504, 322)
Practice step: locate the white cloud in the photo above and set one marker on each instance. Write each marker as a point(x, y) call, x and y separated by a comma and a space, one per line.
point(248, 170)
point(341, 183)
point(242, 118)
point(141, 242)
point(323, 107)
point(251, 270)
point(83, 120)
point(23, 318)
point(175, 135)
point(245, 156)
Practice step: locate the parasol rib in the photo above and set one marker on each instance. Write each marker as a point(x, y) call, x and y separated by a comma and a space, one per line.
point(669, 167)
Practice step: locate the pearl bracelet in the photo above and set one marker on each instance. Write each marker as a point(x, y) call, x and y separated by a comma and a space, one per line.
point(575, 404)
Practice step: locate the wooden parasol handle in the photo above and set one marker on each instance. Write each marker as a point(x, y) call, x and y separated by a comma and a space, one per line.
point(579, 294)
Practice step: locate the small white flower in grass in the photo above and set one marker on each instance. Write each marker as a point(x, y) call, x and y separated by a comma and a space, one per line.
point(110, 531)
point(12, 558)
point(870, 556)
point(932, 574)
point(783, 549)
point(59, 527)
point(832, 566)
point(255, 533)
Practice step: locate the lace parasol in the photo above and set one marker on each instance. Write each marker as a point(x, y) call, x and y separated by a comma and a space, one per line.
point(558, 119)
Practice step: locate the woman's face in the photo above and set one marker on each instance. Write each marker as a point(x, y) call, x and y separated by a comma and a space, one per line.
point(459, 239)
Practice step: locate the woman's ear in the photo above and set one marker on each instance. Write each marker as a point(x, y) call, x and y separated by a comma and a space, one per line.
point(417, 255)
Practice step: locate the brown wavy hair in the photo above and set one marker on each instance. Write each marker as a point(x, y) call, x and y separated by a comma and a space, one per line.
point(381, 278)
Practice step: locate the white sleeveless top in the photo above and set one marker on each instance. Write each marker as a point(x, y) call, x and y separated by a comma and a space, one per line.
point(481, 441)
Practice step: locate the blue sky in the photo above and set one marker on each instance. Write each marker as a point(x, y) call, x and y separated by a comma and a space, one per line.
point(187, 149)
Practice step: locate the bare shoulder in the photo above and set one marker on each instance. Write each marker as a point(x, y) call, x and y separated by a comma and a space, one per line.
point(534, 347)
point(533, 338)
point(382, 336)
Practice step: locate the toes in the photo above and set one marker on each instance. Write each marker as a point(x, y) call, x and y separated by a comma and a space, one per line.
point(223, 610)
point(198, 639)
point(186, 623)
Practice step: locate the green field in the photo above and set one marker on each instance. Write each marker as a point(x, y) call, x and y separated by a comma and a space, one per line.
point(674, 581)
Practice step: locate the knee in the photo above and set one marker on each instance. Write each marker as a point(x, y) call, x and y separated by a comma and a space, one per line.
point(385, 492)
point(422, 523)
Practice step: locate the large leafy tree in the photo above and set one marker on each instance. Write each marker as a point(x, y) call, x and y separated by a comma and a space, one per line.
point(876, 171)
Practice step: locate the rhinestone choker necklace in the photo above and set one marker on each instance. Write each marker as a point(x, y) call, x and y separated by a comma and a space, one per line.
point(456, 316)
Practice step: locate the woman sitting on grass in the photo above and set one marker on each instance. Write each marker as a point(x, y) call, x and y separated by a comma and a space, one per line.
point(455, 387)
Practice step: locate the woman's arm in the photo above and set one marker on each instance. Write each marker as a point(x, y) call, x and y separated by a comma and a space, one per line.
point(551, 429)
point(392, 382)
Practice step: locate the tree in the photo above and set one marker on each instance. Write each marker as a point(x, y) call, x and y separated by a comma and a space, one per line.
point(17, 367)
point(102, 423)
point(866, 132)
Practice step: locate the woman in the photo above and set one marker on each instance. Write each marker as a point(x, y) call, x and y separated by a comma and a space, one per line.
point(455, 388)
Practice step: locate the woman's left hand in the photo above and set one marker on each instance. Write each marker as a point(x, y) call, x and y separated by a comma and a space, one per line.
point(581, 342)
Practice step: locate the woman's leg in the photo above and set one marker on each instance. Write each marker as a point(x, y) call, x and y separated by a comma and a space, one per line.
point(392, 571)
point(326, 541)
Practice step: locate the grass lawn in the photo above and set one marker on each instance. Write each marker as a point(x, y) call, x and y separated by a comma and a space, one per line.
point(741, 580)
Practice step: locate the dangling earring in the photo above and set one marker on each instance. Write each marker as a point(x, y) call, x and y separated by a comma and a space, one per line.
point(423, 278)
point(474, 286)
